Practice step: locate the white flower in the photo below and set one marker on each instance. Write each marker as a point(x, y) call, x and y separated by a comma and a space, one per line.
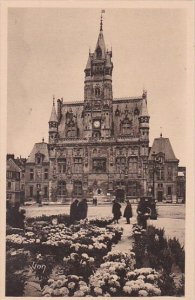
point(127, 289)
point(113, 290)
point(151, 277)
point(85, 255)
point(98, 291)
point(91, 259)
point(84, 288)
point(157, 291)
point(71, 285)
point(143, 293)
point(64, 291)
point(79, 294)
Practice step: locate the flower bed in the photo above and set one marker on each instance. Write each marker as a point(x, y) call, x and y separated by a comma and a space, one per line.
point(154, 250)
point(142, 282)
point(66, 286)
point(100, 222)
point(61, 240)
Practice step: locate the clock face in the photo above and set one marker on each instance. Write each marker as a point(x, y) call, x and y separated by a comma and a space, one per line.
point(96, 124)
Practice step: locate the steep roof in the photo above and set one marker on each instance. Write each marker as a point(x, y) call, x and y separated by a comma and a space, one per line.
point(88, 66)
point(41, 148)
point(53, 117)
point(101, 44)
point(163, 145)
point(12, 166)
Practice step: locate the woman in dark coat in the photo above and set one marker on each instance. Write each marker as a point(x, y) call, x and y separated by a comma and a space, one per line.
point(116, 210)
point(82, 209)
point(143, 212)
point(74, 211)
point(128, 212)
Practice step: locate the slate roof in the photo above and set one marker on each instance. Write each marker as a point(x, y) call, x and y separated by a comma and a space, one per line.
point(101, 44)
point(53, 117)
point(163, 145)
point(12, 166)
point(39, 148)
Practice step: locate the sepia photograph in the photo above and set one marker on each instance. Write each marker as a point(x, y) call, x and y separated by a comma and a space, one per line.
point(97, 150)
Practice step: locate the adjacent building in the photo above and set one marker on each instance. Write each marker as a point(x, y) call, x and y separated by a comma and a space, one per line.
point(13, 174)
point(37, 173)
point(163, 170)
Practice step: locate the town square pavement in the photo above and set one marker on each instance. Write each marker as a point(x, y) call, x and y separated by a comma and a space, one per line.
point(170, 217)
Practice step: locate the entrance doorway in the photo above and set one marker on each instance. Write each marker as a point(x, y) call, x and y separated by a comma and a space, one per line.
point(160, 196)
point(120, 195)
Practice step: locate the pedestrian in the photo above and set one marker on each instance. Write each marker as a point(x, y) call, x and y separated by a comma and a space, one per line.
point(128, 212)
point(116, 210)
point(74, 211)
point(82, 209)
point(143, 212)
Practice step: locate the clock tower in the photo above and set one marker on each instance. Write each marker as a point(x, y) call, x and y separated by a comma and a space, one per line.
point(98, 106)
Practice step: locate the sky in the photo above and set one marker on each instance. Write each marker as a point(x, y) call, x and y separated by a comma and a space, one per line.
point(47, 54)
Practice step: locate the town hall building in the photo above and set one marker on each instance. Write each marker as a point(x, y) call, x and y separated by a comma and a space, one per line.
point(96, 146)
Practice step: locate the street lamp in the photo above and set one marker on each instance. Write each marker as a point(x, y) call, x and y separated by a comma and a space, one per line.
point(153, 172)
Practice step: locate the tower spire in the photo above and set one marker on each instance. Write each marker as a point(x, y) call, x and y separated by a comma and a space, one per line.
point(101, 23)
point(101, 20)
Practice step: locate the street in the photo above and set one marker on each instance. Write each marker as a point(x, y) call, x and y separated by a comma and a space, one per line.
point(170, 217)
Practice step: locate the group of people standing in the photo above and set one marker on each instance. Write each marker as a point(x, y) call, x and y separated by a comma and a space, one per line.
point(78, 210)
point(143, 212)
point(116, 210)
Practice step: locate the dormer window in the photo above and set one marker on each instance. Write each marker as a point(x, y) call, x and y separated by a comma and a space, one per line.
point(38, 158)
point(99, 53)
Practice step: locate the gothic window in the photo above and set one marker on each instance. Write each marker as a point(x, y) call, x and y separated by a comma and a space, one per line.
point(117, 111)
point(78, 165)
point(61, 188)
point(62, 165)
point(120, 164)
point(77, 189)
point(169, 173)
point(97, 92)
point(136, 111)
point(126, 126)
point(31, 174)
point(72, 133)
point(133, 167)
point(45, 191)
point(160, 173)
point(96, 134)
point(132, 188)
point(38, 158)
point(151, 173)
point(169, 190)
point(99, 165)
point(31, 191)
point(45, 173)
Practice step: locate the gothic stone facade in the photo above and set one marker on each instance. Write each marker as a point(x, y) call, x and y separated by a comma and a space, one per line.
point(100, 144)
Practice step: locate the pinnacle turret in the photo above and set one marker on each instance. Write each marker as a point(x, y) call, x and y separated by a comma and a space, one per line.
point(53, 117)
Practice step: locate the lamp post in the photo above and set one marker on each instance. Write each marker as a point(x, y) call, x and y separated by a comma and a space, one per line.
point(153, 172)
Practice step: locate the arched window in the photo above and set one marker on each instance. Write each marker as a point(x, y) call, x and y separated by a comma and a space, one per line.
point(97, 91)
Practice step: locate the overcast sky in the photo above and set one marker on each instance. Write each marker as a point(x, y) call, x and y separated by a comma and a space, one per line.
point(48, 50)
